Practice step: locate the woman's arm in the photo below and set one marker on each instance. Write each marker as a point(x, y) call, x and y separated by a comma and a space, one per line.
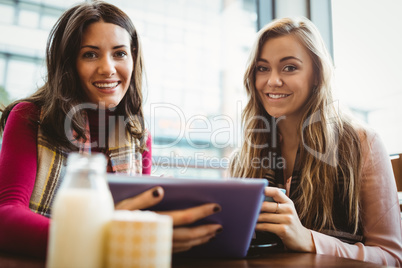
point(380, 213)
point(25, 232)
point(21, 230)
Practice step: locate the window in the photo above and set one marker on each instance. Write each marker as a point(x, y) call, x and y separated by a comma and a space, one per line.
point(22, 76)
point(2, 70)
point(367, 58)
point(7, 14)
point(195, 54)
point(28, 18)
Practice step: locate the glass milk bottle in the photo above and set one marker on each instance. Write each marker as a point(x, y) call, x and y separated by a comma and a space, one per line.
point(81, 212)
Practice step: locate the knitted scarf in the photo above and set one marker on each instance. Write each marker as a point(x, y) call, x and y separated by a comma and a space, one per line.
point(52, 161)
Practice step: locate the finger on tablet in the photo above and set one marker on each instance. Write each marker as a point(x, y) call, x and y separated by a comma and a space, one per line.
point(181, 246)
point(197, 232)
point(191, 215)
point(144, 200)
point(185, 238)
point(269, 207)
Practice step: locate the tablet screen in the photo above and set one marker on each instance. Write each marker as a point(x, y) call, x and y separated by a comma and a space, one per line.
point(240, 199)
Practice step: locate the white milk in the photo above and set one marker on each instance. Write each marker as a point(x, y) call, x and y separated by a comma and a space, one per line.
point(82, 209)
point(77, 229)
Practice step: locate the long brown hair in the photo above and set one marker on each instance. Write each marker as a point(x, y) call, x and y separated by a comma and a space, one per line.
point(330, 146)
point(62, 91)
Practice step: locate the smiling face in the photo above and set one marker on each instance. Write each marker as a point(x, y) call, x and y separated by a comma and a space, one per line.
point(284, 77)
point(105, 63)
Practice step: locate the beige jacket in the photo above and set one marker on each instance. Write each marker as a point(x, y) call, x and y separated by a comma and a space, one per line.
point(380, 212)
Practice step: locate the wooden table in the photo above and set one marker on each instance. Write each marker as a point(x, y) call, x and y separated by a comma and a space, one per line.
point(267, 260)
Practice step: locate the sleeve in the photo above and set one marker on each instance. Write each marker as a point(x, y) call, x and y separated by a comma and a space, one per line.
point(21, 230)
point(380, 213)
point(147, 157)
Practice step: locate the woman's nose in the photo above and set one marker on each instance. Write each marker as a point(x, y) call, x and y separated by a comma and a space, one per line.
point(107, 67)
point(275, 80)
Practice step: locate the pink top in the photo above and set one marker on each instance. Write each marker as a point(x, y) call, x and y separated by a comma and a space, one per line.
point(380, 212)
point(21, 230)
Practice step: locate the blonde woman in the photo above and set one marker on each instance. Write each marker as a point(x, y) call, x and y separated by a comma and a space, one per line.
point(341, 197)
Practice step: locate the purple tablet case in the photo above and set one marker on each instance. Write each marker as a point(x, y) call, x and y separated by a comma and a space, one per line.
point(240, 199)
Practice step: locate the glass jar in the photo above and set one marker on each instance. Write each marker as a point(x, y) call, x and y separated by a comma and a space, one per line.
point(81, 212)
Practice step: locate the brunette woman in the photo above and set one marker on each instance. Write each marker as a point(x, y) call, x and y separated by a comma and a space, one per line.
point(91, 102)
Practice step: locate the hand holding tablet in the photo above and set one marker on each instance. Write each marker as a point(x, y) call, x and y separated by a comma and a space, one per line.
point(184, 237)
point(239, 199)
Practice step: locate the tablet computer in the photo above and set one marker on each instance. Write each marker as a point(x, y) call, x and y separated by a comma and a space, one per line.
point(240, 199)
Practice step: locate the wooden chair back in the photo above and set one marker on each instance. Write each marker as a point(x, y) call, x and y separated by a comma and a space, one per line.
point(396, 161)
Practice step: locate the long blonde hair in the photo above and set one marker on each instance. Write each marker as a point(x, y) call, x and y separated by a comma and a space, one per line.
point(330, 147)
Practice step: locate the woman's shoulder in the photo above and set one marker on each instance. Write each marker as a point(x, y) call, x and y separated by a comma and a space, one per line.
point(372, 146)
point(25, 111)
point(25, 108)
point(357, 129)
point(367, 135)
point(26, 105)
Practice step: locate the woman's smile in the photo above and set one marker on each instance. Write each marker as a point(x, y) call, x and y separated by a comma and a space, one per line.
point(284, 76)
point(106, 85)
point(105, 63)
point(277, 96)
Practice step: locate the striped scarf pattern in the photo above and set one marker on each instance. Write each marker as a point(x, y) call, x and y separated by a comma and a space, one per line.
point(52, 161)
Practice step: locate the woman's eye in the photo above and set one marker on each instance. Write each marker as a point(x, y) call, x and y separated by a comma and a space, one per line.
point(121, 54)
point(262, 69)
point(289, 68)
point(89, 55)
